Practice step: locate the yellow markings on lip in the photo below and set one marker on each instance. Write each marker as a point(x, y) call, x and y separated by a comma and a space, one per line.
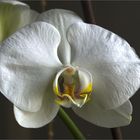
point(56, 90)
point(87, 89)
point(69, 94)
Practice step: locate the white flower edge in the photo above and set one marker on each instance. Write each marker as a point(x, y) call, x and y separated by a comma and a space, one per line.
point(21, 13)
point(61, 19)
point(94, 114)
point(43, 116)
point(14, 2)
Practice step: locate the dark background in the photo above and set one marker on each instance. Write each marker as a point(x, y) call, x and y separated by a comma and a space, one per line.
point(121, 17)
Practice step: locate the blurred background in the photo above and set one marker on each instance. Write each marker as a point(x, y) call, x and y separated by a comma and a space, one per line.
point(121, 17)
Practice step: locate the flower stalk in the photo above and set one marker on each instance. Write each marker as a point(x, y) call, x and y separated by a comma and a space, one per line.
point(116, 133)
point(70, 125)
point(50, 131)
point(44, 5)
point(88, 11)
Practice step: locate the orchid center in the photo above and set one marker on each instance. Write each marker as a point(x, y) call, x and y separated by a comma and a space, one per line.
point(72, 85)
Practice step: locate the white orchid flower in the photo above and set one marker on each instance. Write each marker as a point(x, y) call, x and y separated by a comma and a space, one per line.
point(62, 61)
point(14, 15)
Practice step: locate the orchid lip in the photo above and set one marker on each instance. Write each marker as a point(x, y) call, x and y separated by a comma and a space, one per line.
point(72, 86)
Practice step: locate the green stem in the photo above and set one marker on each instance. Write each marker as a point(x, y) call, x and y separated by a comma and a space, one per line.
point(70, 125)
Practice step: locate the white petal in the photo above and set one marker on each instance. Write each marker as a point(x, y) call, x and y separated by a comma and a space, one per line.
point(32, 16)
point(14, 16)
point(85, 78)
point(28, 60)
point(113, 63)
point(91, 112)
point(28, 16)
point(46, 114)
point(61, 19)
point(14, 2)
